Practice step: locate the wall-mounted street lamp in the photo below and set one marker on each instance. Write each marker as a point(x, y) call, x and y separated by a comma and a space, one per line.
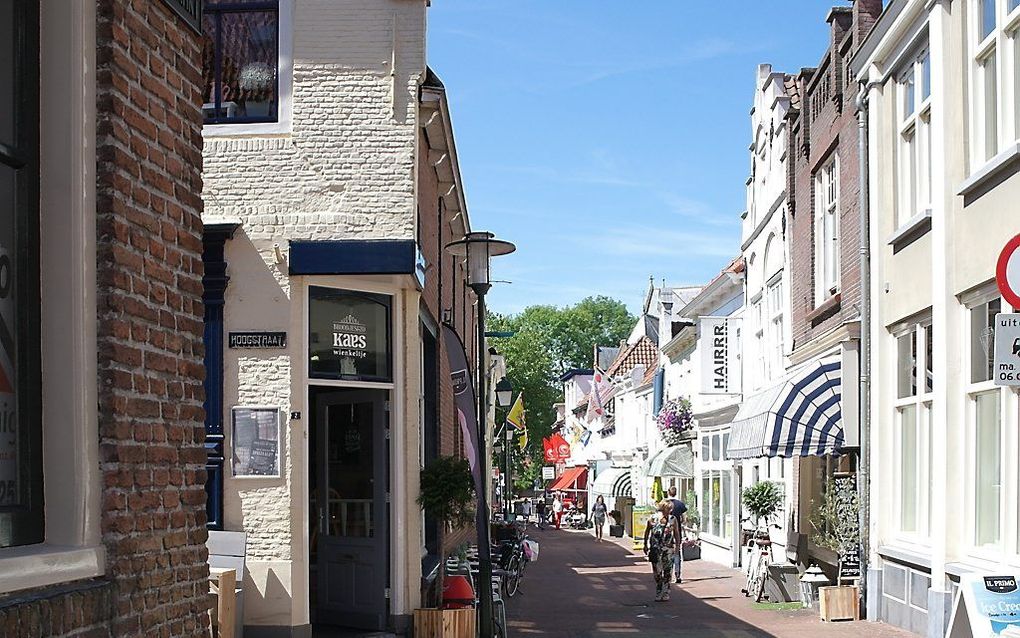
point(504, 393)
point(478, 248)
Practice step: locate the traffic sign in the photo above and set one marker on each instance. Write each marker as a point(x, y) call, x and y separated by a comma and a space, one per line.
point(1006, 362)
point(1007, 272)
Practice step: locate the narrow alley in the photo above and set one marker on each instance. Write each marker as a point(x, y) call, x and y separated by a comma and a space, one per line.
point(579, 587)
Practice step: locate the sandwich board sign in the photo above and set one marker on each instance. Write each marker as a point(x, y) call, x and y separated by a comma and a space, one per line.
point(986, 607)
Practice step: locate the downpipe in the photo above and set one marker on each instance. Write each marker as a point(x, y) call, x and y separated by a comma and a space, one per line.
point(864, 468)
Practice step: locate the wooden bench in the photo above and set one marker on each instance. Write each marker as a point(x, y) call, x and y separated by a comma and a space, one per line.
point(226, 573)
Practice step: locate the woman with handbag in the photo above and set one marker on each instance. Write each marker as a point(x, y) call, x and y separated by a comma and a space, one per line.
point(661, 541)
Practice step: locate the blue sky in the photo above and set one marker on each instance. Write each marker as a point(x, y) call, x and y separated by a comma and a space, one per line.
point(608, 140)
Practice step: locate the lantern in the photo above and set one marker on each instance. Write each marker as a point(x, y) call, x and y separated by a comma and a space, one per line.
point(812, 579)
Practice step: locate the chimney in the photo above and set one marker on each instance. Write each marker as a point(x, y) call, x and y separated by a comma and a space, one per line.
point(666, 299)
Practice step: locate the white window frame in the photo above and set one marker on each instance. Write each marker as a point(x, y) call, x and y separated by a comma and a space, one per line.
point(285, 71)
point(711, 468)
point(1007, 549)
point(774, 331)
point(921, 401)
point(914, 179)
point(827, 229)
point(758, 351)
point(72, 548)
point(1002, 45)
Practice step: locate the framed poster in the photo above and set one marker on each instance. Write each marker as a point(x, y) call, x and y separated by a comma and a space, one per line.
point(255, 441)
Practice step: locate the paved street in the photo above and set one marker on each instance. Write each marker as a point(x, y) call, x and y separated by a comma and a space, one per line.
point(580, 587)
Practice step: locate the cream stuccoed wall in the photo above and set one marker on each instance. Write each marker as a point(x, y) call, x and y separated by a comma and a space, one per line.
point(339, 165)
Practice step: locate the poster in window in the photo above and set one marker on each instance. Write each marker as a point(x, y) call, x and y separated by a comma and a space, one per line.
point(348, 335)
point(255, 441)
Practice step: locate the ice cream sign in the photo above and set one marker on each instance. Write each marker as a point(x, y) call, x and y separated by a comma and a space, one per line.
point(986, 606)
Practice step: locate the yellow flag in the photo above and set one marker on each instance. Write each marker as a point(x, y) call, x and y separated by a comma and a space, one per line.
point(516, 415)
point(523, 440)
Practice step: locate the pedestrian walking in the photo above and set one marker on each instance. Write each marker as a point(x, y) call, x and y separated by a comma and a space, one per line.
point(598, 516)
point(542, 513)
point(661, 540)
point(679, 510)
point(557, 508)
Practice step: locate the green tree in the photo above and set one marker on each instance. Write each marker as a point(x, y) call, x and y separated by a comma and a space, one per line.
point(547, 342)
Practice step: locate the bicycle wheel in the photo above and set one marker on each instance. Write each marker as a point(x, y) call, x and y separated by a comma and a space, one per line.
point(758, 586)
point(512, 582)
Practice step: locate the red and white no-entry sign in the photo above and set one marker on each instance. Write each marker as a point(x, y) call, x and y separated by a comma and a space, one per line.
point(1007, 272)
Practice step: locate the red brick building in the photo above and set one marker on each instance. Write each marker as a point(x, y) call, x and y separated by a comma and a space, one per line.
point(102, 520)
point(823, 228)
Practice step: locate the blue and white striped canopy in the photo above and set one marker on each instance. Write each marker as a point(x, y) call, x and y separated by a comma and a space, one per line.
point(799, 417)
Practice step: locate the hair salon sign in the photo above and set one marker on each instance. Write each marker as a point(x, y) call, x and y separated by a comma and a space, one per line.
point(719, 344)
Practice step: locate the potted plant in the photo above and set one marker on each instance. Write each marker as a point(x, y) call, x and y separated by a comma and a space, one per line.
point(675, 420)
point(763, 501)
point(447, 491)
point(691, 546)
point(256, 80)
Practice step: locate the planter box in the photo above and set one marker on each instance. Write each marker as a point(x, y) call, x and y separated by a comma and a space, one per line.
point(616, 530)
point(839, 602)
point(444, 623)
point(691, 552)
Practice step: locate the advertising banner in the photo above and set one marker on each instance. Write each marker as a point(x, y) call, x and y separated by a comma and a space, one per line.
point(464, 396)
point(639, 521)
point(986, 606)
point(719, 344)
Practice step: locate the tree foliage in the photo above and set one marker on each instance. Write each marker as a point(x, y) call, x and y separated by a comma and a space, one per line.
point(448, 490)
point(548, 341)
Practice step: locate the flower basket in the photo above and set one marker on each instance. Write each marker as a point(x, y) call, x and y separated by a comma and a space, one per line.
point(675, 421)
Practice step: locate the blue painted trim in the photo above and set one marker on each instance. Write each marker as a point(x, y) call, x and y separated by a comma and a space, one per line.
point(354, 257)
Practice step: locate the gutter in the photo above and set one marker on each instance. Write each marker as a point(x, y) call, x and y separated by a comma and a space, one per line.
point(864, 471)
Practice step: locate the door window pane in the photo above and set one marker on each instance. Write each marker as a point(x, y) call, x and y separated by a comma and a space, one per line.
point(351, 470)
point(908, 469)
point(987, 465)
point(716, 502)
point(727, 518)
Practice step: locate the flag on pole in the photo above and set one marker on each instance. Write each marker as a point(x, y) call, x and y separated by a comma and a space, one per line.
point(600, 388)
point(523, 440)
point(516, 415)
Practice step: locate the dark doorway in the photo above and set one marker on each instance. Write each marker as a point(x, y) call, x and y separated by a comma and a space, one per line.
point(349, 518)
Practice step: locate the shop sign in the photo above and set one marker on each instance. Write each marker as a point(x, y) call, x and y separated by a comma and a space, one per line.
point(255, 441)
point(349, 335)
point(548, 472)
point(986, 605)
point(718, 342)
point(253, 340)
point(1006, 362)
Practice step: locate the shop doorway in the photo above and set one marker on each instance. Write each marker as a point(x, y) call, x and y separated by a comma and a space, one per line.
point(348, 513)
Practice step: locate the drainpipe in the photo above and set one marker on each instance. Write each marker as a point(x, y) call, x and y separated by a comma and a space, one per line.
point(864, 473)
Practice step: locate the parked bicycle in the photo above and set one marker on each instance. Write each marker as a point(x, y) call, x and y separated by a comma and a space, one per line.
point(514, 562)
point(759, 557)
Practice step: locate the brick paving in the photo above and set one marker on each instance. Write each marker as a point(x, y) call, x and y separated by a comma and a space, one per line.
point(579, 588)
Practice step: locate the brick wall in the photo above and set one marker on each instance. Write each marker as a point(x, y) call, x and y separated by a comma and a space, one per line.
point(149, 150)
point(826, 125)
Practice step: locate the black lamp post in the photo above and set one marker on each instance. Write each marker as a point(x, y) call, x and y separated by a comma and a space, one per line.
point(478, 248)
point(504, 395)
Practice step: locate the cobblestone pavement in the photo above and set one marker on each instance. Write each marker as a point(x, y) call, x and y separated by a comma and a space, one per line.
point(580, 588)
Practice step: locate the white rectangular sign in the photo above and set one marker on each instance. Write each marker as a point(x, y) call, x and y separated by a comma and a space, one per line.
point(548, 472)
point(1006, 364)
point(719, 342)
point(986, 606)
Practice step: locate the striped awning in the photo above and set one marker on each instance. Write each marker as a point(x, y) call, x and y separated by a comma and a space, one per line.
point(677, 460)
point(799, 417)
point(613, 482)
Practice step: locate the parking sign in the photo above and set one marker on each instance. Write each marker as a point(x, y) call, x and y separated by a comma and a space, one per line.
point(1007, 349)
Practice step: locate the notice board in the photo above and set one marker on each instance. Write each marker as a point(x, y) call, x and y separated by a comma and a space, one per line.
point(255, 441)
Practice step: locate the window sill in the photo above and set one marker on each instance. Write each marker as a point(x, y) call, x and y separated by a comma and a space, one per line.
point(246, 129)
point(914, 228)
point(974, 565)
point(825, 309)
point(909, 557)
point(991, 174)
point(41, 565)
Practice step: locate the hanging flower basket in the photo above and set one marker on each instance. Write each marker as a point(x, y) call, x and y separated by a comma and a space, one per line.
point(675, 421)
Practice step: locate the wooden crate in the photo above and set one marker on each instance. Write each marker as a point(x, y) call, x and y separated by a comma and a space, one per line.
point(839, 602)
point(444, 623)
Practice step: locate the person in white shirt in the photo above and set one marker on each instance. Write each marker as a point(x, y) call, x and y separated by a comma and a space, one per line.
point(557, 508)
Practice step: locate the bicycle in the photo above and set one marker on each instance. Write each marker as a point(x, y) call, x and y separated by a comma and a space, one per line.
point(513, 562)
point(760, 556)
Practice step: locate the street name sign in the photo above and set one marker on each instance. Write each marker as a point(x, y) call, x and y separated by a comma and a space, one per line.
point(1007, 272)
point(1006, 361)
